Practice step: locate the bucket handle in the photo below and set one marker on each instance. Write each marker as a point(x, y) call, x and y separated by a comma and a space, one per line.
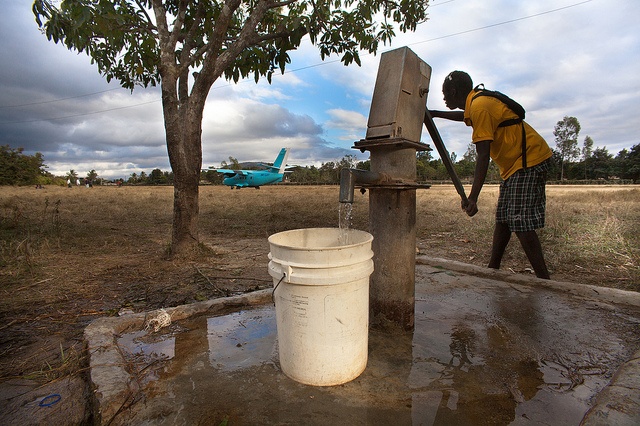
point(273, 293)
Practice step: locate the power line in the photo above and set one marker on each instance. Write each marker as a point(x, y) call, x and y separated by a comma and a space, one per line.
point(83, 114)
point(59, 100)
point(510, 21)
point(502, 23)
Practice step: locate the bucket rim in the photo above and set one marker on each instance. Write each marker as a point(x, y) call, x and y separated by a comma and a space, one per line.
point(366, 240)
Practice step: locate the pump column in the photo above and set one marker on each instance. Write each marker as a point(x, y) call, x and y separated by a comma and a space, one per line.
point(393, 138)
point(392, 219)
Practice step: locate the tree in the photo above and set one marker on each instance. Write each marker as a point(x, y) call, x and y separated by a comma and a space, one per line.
point(566, 133)
point(554, 167)
point(349, 161)
point(328, 172)
point(92, 176)
point(188, 45)
point(466, 167)
point(72, 176)
point(233, 164)
point(304, 175)
point(157, 177)
point(210, 175)
point(424, 171)
point(587, 149)
point(633, 164)
point(17, 168)
point(627, 163)
point(364, 165)
point(601, 162)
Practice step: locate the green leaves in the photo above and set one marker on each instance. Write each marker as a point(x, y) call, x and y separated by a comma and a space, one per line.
point(117, 35)
point(17, 168)
point(124, 41)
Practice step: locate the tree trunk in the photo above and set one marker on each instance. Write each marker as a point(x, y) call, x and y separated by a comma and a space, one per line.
point(184, 143)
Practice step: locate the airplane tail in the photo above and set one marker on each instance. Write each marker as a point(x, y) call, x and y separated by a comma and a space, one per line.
point(281, 161)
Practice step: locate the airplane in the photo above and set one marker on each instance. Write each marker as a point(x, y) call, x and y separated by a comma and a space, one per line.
point(255, 178)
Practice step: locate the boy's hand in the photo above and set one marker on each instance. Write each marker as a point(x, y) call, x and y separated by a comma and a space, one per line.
point(470, 207)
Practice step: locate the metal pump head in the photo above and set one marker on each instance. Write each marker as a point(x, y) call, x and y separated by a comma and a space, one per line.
point(350, 177)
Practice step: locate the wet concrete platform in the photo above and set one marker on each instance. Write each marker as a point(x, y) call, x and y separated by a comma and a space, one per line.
point(489, 347)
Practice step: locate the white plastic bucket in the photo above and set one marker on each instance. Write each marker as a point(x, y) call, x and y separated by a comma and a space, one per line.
point(321, 293)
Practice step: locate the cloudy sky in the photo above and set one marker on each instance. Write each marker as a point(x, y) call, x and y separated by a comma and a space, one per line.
point(556, 57)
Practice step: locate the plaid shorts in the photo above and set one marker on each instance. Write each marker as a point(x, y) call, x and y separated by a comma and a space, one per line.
point(522, 200)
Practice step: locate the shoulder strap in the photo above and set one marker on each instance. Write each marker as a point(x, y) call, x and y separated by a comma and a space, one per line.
point(515, 107)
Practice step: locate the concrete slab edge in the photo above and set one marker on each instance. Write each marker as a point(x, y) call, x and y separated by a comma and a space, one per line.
point(619, 402)
point(602, 294)
point(113, 385)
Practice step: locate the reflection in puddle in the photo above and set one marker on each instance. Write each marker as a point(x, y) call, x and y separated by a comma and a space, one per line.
point(148, 346)
point(236, 339)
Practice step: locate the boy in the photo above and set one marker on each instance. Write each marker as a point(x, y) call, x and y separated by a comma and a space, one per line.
point(521, 204)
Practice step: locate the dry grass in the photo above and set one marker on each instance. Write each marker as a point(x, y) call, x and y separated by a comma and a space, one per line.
point(68, 256)
point(592, 233)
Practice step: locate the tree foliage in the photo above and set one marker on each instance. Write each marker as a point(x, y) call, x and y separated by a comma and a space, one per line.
point(601, 162)
point(128, 39)
point(72, 176)
point(587, 149)
point(566, 133)
point(17, 168)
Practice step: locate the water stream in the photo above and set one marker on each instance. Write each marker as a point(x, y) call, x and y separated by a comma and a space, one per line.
point(345, 220)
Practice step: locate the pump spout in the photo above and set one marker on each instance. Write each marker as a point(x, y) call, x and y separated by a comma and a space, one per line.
point(350, 177)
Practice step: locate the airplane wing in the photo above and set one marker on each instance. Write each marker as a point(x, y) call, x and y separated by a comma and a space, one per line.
point(230, 173)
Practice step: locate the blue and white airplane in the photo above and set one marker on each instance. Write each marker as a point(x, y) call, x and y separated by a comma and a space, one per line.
point(256, 178)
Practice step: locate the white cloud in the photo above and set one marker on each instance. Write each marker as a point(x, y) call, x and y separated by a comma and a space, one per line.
point(352, 124)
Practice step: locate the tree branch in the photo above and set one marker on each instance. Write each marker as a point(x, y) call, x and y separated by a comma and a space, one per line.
point(144, 11)
point(257, 38)
point(186, 59)
point(248, 31)
point(161, 21)
point(210, 50)
point(275, 4)
point(167, 66)
point(178, 23)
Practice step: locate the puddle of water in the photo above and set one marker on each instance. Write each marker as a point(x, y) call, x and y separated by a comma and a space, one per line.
point(478, 355)
point(242, 339)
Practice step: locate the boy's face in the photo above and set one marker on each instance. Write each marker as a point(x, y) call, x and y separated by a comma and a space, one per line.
point(449, 93)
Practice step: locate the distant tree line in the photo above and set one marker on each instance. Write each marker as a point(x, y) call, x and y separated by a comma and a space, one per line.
point(156, 177)
point(571, 163)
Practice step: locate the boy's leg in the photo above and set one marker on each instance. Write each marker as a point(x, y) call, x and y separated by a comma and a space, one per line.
point(501, 237)
point(533, 249)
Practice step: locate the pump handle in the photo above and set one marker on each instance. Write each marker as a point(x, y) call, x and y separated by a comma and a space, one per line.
point(444, 155)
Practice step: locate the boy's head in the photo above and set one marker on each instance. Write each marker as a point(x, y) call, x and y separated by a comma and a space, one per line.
point(455, 89)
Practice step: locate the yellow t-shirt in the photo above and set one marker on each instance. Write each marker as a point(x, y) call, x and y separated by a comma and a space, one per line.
point(484, 115)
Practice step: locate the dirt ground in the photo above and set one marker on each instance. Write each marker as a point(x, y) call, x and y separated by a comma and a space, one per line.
point(70, 257)
point(42, 346)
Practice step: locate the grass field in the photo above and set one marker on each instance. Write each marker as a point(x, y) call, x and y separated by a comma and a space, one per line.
point(68, 256)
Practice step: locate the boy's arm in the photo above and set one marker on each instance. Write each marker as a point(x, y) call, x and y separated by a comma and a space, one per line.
point(482, 165)
point(449, 115)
